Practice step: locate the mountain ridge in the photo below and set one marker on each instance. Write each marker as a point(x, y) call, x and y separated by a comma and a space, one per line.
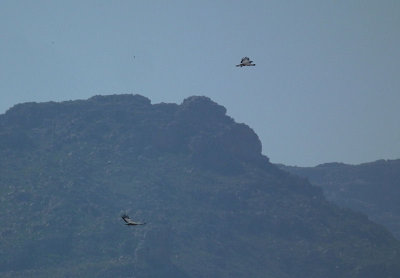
point(215, 206)
point(371, 187)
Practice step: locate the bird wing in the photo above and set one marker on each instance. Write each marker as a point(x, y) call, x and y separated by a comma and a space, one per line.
point(130, 221)
point(245, 60)
point(126, 218)
point(138, 223)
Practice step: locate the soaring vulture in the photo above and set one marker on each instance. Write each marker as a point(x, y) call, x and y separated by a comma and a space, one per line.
point(129, 221)
point(245, 62)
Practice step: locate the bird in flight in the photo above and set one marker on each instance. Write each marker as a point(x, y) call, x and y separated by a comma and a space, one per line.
point(245, 62)
point(129, 221)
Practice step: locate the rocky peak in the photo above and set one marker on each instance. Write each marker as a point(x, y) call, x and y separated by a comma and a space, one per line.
point(202, 106)
point(122, 99)
point(214, 138)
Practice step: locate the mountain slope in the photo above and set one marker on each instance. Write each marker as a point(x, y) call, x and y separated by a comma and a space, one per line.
point(372, 188)
point(215, 206)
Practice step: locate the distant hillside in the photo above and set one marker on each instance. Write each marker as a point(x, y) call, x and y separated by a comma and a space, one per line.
point(214, 205)
point(372, 188)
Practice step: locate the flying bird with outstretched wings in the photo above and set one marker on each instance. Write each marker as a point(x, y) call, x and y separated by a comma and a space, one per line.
point(129, 221)
point(245, 62)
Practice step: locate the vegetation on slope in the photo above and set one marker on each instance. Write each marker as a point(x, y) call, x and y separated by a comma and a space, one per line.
point(372, 188)
point(214, 205)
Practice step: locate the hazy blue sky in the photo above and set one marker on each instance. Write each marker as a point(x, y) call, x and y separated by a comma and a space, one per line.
point(326, 86)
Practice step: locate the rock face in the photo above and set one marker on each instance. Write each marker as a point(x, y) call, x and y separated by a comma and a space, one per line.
point(214, 205)
point(372, 188)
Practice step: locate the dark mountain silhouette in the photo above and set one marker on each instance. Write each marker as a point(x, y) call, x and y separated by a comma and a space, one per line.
point(372, 188)
point(214, 205)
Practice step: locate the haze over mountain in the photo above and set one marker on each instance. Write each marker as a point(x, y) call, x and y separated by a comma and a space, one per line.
point(372, 188)
point(214, 205)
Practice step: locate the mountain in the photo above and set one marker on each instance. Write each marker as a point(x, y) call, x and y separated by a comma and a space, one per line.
point(372, 188)
point(214, 205)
